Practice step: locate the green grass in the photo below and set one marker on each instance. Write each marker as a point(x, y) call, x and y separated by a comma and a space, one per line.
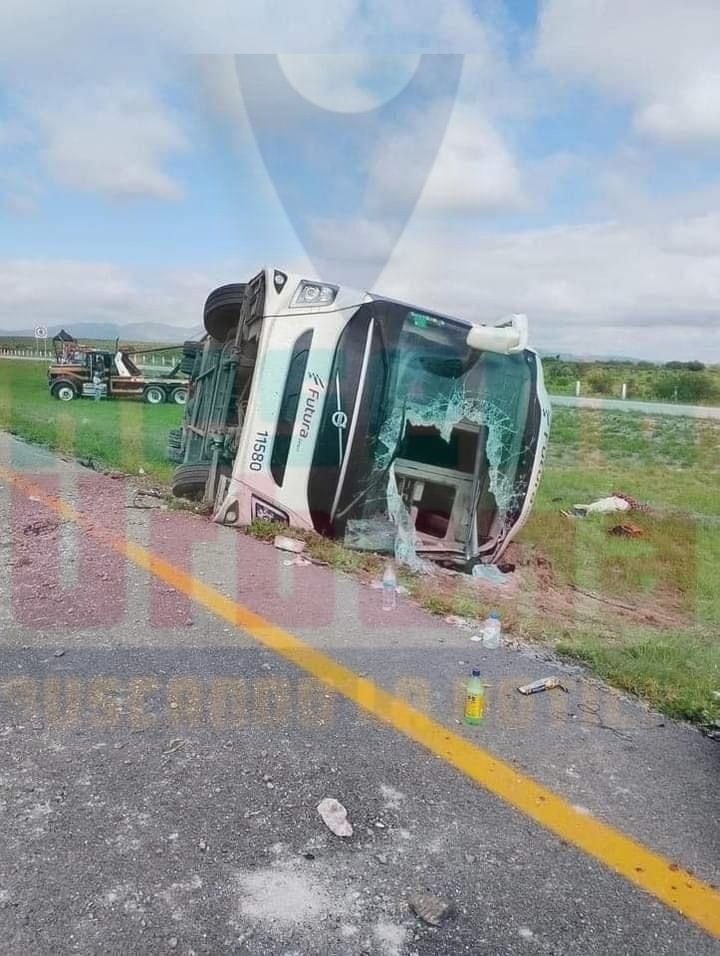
point(676, 670)
point(124, 435)
point(667, 650)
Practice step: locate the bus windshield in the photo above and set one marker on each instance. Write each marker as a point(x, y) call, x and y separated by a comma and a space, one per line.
point(416, 420)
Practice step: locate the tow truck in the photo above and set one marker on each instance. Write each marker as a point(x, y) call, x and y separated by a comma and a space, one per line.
point(80, 371)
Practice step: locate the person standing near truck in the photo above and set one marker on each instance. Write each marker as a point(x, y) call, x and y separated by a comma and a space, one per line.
point(99, 379)
point(97, 382)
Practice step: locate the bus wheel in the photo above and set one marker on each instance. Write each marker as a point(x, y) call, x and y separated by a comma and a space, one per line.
point(154, 395)
point(64, 392)
point(179, 396)
point(189, 481)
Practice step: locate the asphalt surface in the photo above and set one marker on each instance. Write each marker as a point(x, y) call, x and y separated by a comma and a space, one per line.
point(160, 771)
point(648, 408)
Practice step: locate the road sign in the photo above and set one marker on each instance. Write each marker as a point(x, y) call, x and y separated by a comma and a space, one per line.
point(41, 332)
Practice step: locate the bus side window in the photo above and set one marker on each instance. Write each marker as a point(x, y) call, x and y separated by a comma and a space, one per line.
point(289, 406)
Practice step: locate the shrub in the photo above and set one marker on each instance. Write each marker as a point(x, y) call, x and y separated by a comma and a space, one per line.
point(687, 387)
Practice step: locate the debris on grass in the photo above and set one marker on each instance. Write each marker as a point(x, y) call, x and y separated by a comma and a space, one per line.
point(335, 817)
point(283, 543)
point(538, 686)
point(371, 534)
point(626, 531)
point(491, 574)
point(621, 605)
point(635, 505)
point(603, 506)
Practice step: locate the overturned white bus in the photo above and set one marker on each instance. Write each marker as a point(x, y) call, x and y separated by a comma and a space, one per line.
point(368, 420)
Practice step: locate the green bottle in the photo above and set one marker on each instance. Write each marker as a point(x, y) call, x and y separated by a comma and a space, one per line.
point(474, 699)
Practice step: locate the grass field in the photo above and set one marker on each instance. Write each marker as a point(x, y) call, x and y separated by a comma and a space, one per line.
point(668, 648)
point(124, 435)
point(644, 613)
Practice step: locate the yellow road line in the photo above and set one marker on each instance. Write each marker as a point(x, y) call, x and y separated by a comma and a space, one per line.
point(676, 887)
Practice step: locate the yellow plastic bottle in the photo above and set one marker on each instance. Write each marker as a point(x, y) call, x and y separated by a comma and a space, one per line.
point(474, 699)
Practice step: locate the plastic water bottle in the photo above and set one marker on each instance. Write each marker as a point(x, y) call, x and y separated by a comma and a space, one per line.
point(389, 588)
point(492, 631)
point(474, 699)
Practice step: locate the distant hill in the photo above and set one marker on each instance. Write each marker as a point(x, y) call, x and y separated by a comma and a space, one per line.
point(108, 331)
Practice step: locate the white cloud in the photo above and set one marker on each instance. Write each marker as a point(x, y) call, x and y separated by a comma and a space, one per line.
point(112, 139)
point(660, 56)
point(474, 171)
point(226, 26)
point(472, 175)
point(68, 292)
point(696, 236)
point(612, 287)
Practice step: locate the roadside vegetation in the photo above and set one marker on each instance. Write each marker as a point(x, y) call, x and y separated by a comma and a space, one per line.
point(642, 612)
point(690, 383)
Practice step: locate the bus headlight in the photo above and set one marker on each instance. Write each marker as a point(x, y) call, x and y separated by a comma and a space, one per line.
point(313, 294)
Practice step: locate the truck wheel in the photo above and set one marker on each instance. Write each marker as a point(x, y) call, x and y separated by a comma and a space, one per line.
point(189, 481)
point(64, 391)
point(154, 395)
point(179, 396)
point(222, 309)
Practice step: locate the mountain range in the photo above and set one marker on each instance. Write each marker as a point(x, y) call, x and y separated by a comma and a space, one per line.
point(108, 331)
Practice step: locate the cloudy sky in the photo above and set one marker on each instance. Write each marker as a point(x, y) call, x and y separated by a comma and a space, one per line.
point(559, 158)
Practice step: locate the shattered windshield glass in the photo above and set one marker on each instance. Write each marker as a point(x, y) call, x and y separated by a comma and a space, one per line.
point(441, 433)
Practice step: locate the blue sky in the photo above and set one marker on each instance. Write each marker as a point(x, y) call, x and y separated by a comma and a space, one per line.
point(562, 160)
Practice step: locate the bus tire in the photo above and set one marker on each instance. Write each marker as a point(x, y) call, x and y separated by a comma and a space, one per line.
point(222, 309)
point(189, 481)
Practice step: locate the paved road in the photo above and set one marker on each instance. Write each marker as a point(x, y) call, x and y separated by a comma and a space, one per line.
point(161, 767)
point(648, 408)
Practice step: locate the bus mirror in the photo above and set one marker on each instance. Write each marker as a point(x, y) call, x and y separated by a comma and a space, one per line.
point(510, 335)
